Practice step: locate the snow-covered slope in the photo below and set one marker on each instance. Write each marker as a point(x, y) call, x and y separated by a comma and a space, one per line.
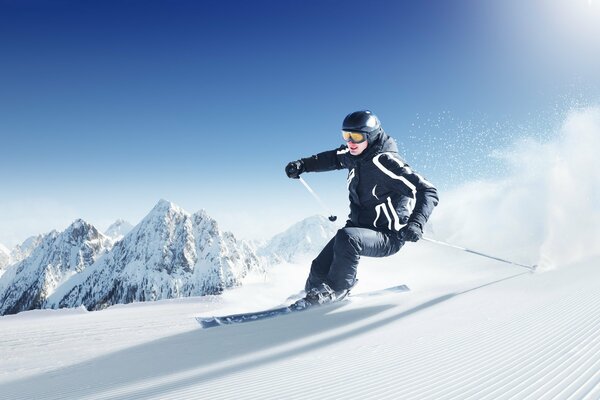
point(170, 254)
point(502, 335)
point(26, 285)
point(302, 240)
point(118, 230)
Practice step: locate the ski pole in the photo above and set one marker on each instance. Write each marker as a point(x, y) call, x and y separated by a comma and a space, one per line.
point(529, 267)
point(332, 217)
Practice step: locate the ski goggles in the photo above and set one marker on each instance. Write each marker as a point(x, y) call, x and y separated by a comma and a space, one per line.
point(354, 137)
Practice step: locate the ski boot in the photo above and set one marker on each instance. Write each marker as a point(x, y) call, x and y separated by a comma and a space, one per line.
point(319, 295)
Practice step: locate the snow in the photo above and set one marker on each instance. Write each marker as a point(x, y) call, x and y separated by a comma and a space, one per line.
point(17, 254)
point(306, 237)
point(544, 209)
point(24, 250)
point(118, 230)
point(470, 328)
point(5, 258)
point(504, 334)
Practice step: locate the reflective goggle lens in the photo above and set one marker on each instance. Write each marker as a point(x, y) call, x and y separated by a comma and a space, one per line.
point(355, 137)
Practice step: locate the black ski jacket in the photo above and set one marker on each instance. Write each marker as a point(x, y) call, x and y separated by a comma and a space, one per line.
point(385, 193)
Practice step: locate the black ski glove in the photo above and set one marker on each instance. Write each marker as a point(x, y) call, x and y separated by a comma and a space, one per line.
point(412, 232)
point(294, 169)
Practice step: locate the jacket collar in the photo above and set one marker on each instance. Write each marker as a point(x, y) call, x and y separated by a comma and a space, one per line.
point(383, 143)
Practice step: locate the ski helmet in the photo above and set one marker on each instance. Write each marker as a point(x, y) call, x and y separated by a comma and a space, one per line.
point(362, 121)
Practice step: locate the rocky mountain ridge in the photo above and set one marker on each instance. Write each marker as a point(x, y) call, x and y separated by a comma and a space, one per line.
point(169, 254)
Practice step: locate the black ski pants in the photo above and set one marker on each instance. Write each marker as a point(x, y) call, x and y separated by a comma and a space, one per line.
point(337, 263)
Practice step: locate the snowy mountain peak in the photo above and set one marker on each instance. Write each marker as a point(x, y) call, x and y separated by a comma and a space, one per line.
point(22, 251)
point(164, 214)
point(58, 257)
point(164, 207)
point(118, 230)
point(4, 257)
point(203, 220)
point(78, 223)
point(202, 214)
point(80, 230)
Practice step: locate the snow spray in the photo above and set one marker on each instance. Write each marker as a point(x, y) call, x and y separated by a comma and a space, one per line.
point(544, 210)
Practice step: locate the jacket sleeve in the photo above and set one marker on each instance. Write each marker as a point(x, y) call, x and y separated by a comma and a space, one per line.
point(325, 161)
point(406, 181)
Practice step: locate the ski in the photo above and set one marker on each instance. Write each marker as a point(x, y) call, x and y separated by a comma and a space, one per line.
point(210, 322)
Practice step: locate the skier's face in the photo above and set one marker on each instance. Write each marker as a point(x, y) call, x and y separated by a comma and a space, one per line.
point(357, 148)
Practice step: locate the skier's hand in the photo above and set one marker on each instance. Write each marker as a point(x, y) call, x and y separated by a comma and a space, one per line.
point(412, 232)
point(294, 169)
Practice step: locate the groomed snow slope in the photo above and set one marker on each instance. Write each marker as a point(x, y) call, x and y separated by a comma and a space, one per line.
point(501, 334)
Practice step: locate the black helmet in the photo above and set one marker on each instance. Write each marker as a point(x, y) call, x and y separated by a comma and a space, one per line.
point(363, 121)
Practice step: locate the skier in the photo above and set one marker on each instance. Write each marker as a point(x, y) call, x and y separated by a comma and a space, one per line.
point(389, 204)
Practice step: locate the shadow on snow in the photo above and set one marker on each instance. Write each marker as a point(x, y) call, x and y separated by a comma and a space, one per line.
point(201, 349)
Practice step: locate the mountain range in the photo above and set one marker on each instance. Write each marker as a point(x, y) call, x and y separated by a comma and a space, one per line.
point(169, 254)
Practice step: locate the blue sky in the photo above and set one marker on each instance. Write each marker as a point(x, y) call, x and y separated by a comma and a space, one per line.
point(108, 106)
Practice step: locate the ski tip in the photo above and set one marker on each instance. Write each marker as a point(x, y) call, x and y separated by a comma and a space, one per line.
point(206, 323)
point(399, 288)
